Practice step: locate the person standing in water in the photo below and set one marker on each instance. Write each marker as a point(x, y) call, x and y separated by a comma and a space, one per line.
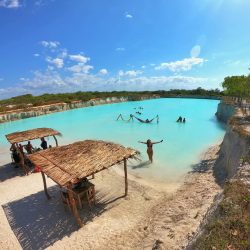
point(179, 119)
point(157, 117)
point(150, 144)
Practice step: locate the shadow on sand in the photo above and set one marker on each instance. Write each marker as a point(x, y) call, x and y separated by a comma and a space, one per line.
point(144, 164)
point(8, 171)
point(213, 165)
point(39, 223)
point(203, 166)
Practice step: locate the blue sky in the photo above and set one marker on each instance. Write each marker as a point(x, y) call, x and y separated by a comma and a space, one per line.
point(63, 46)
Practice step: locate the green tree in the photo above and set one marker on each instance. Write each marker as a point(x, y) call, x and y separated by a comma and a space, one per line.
point(237, 86)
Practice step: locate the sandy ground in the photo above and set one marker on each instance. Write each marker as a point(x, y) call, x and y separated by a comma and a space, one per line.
point(148, 218)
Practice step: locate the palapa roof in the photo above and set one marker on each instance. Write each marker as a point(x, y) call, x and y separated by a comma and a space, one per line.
point(80, 159)
point(31, 134)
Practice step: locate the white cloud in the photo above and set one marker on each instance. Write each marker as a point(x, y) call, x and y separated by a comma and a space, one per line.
point(130, 73)
point(57, 62)
point(183, 65)
point(81, 81)
point(50, 44)
point(12, 91)
point(79, 58)
point(127, 15)
point(195, 51)
point(36, 54)
point(50, 80)
point(103, 72)
point(63, 53)
point(10, 4)
point(80, 68)
point(120, 49)
point(79, 77)
point(53, 82)
point(157, 83)
point(50, 67)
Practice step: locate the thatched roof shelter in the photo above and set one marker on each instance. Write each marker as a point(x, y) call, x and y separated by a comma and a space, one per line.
point(31, 134)
point(80, 159)
point(65, 164)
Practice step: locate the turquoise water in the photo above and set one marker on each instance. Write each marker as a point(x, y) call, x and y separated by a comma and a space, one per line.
point(182, 145)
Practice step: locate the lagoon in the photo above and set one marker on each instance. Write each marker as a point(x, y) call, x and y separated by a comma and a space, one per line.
point(182, 146)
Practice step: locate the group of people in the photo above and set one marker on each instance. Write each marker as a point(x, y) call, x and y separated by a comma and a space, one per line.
point(180, 119)
point(18, 155)
point(149, 143)
point(139, 108)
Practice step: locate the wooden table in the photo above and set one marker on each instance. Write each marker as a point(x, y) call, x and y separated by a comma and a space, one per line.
point(86, 190)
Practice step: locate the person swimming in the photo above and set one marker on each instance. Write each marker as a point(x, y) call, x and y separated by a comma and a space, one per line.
point(184, 120)
point(150, 144)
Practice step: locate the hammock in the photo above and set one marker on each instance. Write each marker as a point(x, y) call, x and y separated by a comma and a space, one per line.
point(144, 121)
point(140, 120)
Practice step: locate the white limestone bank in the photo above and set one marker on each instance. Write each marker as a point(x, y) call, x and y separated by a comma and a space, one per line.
point(225, 111)
point(57, 107)
point(230, 163)
point(236, 143)
point(234, 149)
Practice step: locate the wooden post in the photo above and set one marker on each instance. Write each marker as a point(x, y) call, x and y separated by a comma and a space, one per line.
point(45, 186)
point(73, 205)
point(126, 176)
point(56, 141)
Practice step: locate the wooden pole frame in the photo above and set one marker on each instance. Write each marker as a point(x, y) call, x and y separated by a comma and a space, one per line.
point(126, 176)
point(55, 140)
point(73, 205)
point(45, 186)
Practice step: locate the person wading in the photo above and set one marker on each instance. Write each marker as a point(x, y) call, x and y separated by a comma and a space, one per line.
point(150, 144)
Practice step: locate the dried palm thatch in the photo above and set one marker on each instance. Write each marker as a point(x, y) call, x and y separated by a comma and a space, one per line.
point(31, 134)
point(79, 160)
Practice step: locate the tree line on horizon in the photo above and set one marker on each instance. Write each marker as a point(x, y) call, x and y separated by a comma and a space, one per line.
point(237, 86)
point(23, 100)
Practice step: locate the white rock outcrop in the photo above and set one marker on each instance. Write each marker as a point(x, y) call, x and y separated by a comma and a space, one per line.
point(236, 145)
